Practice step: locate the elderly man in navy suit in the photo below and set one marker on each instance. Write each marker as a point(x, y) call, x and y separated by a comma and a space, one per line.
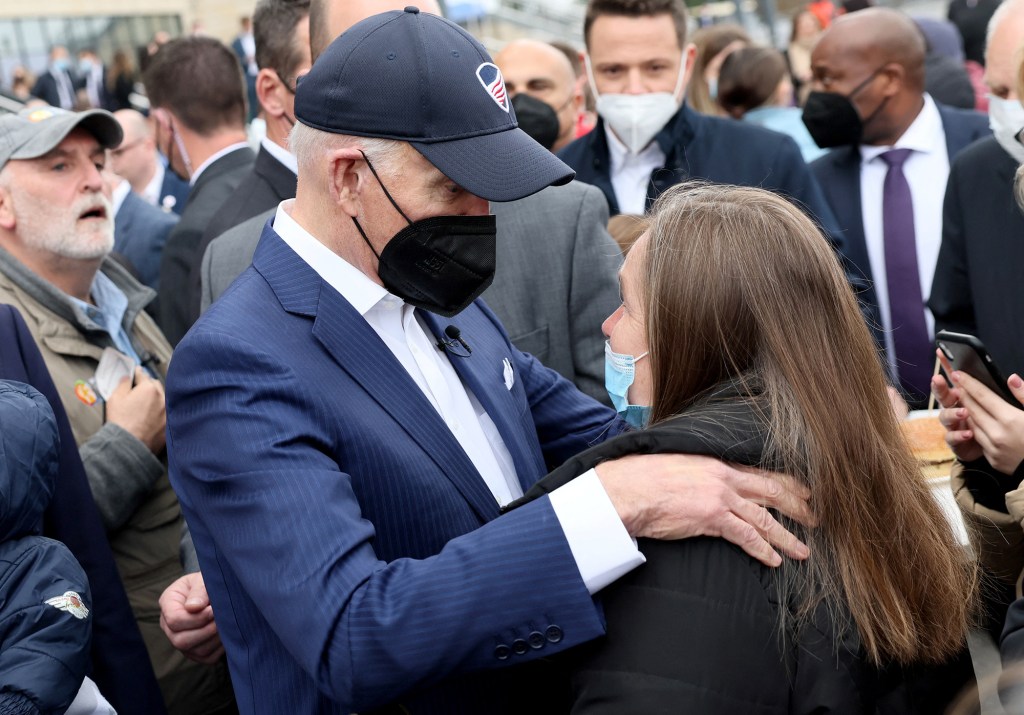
point(887, 174)
point(346, 421)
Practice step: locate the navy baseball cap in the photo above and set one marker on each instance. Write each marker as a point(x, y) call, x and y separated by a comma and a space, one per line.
point(418, 78)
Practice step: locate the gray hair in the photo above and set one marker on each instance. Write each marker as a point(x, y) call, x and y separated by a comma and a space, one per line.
point(310, 145)
point(1002, 12)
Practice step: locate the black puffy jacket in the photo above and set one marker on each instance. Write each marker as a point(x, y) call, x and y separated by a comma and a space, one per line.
point(45, 621)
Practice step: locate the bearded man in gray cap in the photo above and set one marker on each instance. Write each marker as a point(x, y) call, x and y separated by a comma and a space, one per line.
point(345, 423)
point(106, 356)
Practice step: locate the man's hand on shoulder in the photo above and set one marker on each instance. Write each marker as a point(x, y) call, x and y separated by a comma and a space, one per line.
point(676, 496)
point(140, 410)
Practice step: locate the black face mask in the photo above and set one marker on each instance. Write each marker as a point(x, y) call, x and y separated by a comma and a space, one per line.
point(833, 121)
point(440, 264)
point(536, 118)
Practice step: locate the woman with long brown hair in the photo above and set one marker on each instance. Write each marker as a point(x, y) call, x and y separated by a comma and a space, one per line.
point(713, 45)
point(739, 338)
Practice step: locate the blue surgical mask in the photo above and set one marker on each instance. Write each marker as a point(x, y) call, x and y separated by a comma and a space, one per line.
point(619, 372)
point(713, 88)
point(60, 65)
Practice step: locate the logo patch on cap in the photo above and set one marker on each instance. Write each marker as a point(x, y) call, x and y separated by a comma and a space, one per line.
point(39, 115)
point(490, 77)
point(70, 602)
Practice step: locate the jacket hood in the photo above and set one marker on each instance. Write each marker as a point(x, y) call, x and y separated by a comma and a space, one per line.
point(29, 459)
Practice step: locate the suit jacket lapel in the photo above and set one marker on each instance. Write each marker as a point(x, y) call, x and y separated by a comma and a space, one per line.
point(483, 373)
point(349, 339)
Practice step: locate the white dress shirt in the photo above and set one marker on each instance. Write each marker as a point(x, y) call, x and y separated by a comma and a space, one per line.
point(631, 173)
point(281, 154)
point(151, 194)
point(926, 171)
point(198, 171)
point(597, 538)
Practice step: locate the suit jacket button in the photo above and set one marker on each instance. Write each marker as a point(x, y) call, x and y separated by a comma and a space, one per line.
point(502, 652)
point(553, 634)
point(519, 646)
point(536, 640)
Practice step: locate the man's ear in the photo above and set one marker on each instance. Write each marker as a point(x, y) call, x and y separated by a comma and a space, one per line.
point(689, 57)
point(268, 86)
point(345, 179)
point(895, 76)
point(7, 220)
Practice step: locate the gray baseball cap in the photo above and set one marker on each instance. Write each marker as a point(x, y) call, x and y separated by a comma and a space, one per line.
point(35, 131)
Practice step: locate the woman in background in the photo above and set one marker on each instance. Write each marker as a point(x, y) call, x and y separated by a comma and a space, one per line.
point(754, 86)
point(807, 28)
point(121, 81)
point(713, 45)
point(739, 338)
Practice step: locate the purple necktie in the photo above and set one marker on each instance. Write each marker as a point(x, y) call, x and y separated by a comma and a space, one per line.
point(906, 305)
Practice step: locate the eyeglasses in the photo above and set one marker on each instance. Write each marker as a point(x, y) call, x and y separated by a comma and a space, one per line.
point(125, 147)
point(290, 86)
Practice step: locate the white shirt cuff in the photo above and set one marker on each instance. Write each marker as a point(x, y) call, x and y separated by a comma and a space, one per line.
point(600, 544)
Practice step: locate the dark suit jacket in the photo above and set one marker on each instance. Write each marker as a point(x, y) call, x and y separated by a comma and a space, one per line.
point(399, 572)
point(269, 183)
point(120, 663)
point(45, 89)
point(140, 232)
point(978, 280)
point(214, 185)
point(177, 187)
point(838, 172)
point(706, 148)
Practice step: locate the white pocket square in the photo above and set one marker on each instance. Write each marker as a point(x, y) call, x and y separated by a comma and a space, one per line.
point(510, 377)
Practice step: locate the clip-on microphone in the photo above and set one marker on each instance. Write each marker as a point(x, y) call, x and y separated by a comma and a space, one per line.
point(454, 341)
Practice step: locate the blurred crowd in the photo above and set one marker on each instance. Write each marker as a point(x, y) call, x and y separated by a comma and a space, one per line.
point(348, 368)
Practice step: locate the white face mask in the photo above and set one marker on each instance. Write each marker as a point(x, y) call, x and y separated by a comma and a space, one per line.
point(637, 118)
point(1006, 118)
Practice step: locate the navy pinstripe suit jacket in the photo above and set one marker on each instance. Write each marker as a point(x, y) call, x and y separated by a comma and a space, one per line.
point(352, 553)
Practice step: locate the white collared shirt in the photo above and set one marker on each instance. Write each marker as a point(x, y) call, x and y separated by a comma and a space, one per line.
point(281, 154)
point(926, 171)
point(151, 194)
point(599, 542)
point(117, 197)
point(631, 173)
point(217, 155)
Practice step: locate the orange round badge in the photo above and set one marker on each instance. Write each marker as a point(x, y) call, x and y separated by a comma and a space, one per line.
point(85, 393)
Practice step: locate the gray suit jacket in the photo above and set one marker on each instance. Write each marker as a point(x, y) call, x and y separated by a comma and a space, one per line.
point(556, 282)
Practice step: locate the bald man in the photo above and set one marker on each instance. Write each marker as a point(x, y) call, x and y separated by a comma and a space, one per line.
point(138, 161)
point(543, 72)
point(886, 175)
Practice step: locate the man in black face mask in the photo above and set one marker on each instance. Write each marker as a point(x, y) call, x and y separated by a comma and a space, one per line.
point(886, 177)
point(540, 81)
point(346, 420)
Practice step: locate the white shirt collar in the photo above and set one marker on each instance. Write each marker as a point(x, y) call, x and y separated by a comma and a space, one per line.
point(118, 195)
point(152, 191)
point(924, 135)
point(354, 286)
point(281, 154)
point(223, 152)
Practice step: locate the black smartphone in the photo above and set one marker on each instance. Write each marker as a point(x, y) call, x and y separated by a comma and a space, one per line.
point(968, 354)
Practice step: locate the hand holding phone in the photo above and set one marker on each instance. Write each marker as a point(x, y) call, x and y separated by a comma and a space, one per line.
point(966, 353)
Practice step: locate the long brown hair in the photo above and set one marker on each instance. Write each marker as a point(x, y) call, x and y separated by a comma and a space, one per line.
point(738, 284)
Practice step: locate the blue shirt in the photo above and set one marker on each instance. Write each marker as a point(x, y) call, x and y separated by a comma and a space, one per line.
point(787, 120)
point(108, 313)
